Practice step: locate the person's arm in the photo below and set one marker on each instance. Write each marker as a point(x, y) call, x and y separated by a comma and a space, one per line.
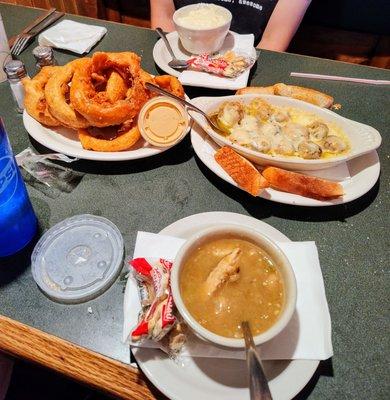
point(161, 12)
point(283, 24)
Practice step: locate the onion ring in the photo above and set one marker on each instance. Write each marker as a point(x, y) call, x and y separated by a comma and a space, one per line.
point(100, 97)
point(115, 87)
point(128, 136)
point(171, 84)
point(111, 84)
point(57, 90)
point(99, 109)
point(35, 100)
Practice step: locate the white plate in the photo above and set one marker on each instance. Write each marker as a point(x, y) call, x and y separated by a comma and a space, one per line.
point(162, 57)
point(363, 138)
point(364, 172)
point(65, 140)
point(220, 379)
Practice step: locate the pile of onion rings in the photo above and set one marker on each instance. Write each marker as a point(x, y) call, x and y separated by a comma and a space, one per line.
point(100, 97)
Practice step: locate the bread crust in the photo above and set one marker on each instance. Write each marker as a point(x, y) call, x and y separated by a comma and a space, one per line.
point(305, 94)
point(243, 172)
point(256, 90)
point(304, 185)
point(296, 92)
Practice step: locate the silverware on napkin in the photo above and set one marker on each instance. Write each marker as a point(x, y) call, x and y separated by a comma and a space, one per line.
point(31, 26)
point(23, 38)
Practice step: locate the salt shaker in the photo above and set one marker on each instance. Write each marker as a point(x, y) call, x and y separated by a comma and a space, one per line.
point(16, 71)
point(44, 56)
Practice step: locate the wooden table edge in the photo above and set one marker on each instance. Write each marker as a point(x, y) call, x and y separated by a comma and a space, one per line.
point(81, 364)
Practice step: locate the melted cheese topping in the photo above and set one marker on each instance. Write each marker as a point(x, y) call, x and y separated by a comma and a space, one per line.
point(281, 130)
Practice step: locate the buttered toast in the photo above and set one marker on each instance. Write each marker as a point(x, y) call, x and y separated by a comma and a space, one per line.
point(296, 92)
point(304, 185)
point(243, 172)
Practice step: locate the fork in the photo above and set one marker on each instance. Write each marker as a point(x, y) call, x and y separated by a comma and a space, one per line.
point(31, 26)
point(20, 43)
point(24, 38)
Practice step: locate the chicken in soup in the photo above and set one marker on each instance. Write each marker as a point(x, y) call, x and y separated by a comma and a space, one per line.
point(227, 281)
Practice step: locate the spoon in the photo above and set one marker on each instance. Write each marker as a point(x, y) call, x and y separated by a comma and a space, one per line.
point(258, 384)
point(157, 89)
point(174, 63)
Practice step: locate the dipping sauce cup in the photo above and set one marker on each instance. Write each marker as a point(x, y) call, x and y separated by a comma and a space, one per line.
point(163, 122)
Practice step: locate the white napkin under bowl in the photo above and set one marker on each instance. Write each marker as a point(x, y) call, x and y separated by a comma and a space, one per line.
point(308, 334)
point(72, 36)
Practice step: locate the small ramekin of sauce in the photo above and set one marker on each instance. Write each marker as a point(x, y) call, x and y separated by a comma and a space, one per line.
point(163, 122)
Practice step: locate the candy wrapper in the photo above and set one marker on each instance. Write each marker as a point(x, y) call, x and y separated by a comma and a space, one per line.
point(156, 318)
point(174, 341)
point(229, 65)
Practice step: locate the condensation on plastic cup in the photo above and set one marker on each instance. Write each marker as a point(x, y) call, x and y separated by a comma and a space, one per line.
point(5, 53)
point(78, 259)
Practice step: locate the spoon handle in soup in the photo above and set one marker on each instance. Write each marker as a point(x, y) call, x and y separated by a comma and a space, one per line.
point(258, 384)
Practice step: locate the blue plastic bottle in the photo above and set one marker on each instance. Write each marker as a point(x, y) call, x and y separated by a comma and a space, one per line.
point(18, 223)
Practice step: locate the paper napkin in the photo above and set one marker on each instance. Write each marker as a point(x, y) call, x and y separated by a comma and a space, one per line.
point(72, 36)
point(242, 43)
point(307, 336)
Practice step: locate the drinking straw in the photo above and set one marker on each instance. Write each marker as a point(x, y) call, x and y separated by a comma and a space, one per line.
point(340, 78)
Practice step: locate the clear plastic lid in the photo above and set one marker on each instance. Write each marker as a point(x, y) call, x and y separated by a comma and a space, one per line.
point(78, 259)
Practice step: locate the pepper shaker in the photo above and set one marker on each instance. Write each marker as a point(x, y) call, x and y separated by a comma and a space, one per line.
point(44, 56)
point(16, 71)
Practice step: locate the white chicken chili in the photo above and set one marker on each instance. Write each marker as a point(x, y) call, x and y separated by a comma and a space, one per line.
point(226, 281)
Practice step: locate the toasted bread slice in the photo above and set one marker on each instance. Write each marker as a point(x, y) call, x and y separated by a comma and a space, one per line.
point(296, 92)
point(243, 172)
point(256, 90)
point(306, 94)
point(304, 185)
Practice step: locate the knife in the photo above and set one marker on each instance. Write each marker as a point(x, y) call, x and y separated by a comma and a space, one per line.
point(44, 24)
point(27, 37)
point(31, 26)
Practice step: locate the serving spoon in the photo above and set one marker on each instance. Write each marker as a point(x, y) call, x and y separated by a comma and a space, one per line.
point(258, 384)
point(157, 89)
point(174, 63)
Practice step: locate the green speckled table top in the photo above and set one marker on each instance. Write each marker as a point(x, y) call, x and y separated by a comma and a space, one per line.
point(149, 194)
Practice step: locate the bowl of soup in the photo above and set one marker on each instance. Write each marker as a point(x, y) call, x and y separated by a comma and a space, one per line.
point(202, 28)
point(228, 274)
